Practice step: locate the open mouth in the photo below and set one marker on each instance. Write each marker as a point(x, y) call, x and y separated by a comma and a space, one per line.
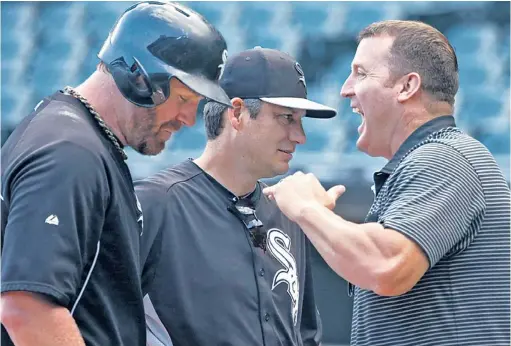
point(362, 124)
point(357, 111)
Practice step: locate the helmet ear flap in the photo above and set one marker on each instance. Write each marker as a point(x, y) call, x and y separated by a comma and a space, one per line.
point(155, 92)
point(134, 83)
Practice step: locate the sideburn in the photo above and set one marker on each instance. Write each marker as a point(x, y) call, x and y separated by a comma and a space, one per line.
point(143, 129)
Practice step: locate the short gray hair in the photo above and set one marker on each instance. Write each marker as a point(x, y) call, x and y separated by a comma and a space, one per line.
point(214, 115)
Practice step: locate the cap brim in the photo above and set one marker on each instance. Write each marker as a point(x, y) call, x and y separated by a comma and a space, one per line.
point(313, 109)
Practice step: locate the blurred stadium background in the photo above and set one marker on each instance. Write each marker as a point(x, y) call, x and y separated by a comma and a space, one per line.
point(48, 45)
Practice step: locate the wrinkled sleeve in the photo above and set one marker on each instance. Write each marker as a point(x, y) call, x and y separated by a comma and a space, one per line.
point(54, 201)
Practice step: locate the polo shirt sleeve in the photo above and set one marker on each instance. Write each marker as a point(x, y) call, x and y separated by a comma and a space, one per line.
point(436, 199)
point(55, 199)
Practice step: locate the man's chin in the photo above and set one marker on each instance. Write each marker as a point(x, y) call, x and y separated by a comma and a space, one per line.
point(362, 145)
point(150, 149)
point(272, 172)
point(281, 169)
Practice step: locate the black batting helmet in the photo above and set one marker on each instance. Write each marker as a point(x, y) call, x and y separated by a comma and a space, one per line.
point(153, 41)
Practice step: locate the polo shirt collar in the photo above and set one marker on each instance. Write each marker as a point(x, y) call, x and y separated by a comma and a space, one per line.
point(419, 135)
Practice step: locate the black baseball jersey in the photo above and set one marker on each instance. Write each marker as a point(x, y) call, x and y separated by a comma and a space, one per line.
point(71, 224)
point(207, 281)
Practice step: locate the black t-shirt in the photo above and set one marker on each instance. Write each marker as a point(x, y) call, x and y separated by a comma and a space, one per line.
point(208, 282)
point(71, 223)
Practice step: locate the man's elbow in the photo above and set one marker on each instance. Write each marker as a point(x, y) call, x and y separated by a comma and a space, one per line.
point(19, 309)
point(398, 274)
point(392, 283)
point(387, 289)
point(14, 314)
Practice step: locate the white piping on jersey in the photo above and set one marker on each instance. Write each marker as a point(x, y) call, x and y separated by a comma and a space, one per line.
point(37, 106)
point(87, 279)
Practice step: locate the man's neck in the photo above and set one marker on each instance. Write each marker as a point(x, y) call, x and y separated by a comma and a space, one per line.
point(101, 92)
point(226, 169)
point(411, 121)
point(402, 132)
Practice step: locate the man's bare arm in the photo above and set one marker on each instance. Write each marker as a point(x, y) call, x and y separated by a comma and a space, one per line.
point(31, 319)
point(368, 255)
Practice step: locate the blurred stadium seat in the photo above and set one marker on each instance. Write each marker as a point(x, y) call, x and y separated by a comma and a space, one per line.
point(8, 107)
point(359, 16)
point(256, 17)
point(10, 49)
point(188, 139)
point(308, 17)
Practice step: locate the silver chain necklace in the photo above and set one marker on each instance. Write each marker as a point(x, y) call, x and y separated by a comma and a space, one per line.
point(98, 118)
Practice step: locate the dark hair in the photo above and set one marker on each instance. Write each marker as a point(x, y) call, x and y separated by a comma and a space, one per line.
point(420, 48)
point(214, 115)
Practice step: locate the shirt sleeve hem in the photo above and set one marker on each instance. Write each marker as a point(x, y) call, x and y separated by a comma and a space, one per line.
point(60, 297)
point(428, 252)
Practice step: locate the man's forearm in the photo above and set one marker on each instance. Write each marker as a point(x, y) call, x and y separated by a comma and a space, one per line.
point(386, 261)
point(41, 323)
point(351, 250)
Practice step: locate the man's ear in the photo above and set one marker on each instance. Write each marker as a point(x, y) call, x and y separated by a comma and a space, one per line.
point(410, 86)
point(234, 113)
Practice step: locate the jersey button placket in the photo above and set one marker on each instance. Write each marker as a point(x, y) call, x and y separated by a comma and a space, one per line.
point(266, 317)
point(261, 272)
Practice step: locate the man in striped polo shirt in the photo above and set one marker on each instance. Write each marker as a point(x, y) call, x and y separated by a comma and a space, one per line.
point(430, 266)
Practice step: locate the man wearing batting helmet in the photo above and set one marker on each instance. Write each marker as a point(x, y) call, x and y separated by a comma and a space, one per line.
point(71, 223)
point(223, 266)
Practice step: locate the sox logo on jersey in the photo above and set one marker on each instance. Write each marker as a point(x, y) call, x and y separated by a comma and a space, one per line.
point(279, 245)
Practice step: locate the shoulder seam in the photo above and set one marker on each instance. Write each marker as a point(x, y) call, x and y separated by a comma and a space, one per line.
point(182, 181)
point(433, 141)
point(37, 112)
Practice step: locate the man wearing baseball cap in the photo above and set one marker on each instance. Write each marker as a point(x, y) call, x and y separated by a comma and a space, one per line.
point(223, 266)
point(273, 77)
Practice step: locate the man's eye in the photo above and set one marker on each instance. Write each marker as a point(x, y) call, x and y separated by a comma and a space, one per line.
point(287, 118)
point(183, 99)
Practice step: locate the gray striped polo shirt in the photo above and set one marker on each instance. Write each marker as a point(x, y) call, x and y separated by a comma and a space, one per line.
point(444, 190)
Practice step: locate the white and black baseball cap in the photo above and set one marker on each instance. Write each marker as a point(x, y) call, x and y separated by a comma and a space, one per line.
point(271, 76)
